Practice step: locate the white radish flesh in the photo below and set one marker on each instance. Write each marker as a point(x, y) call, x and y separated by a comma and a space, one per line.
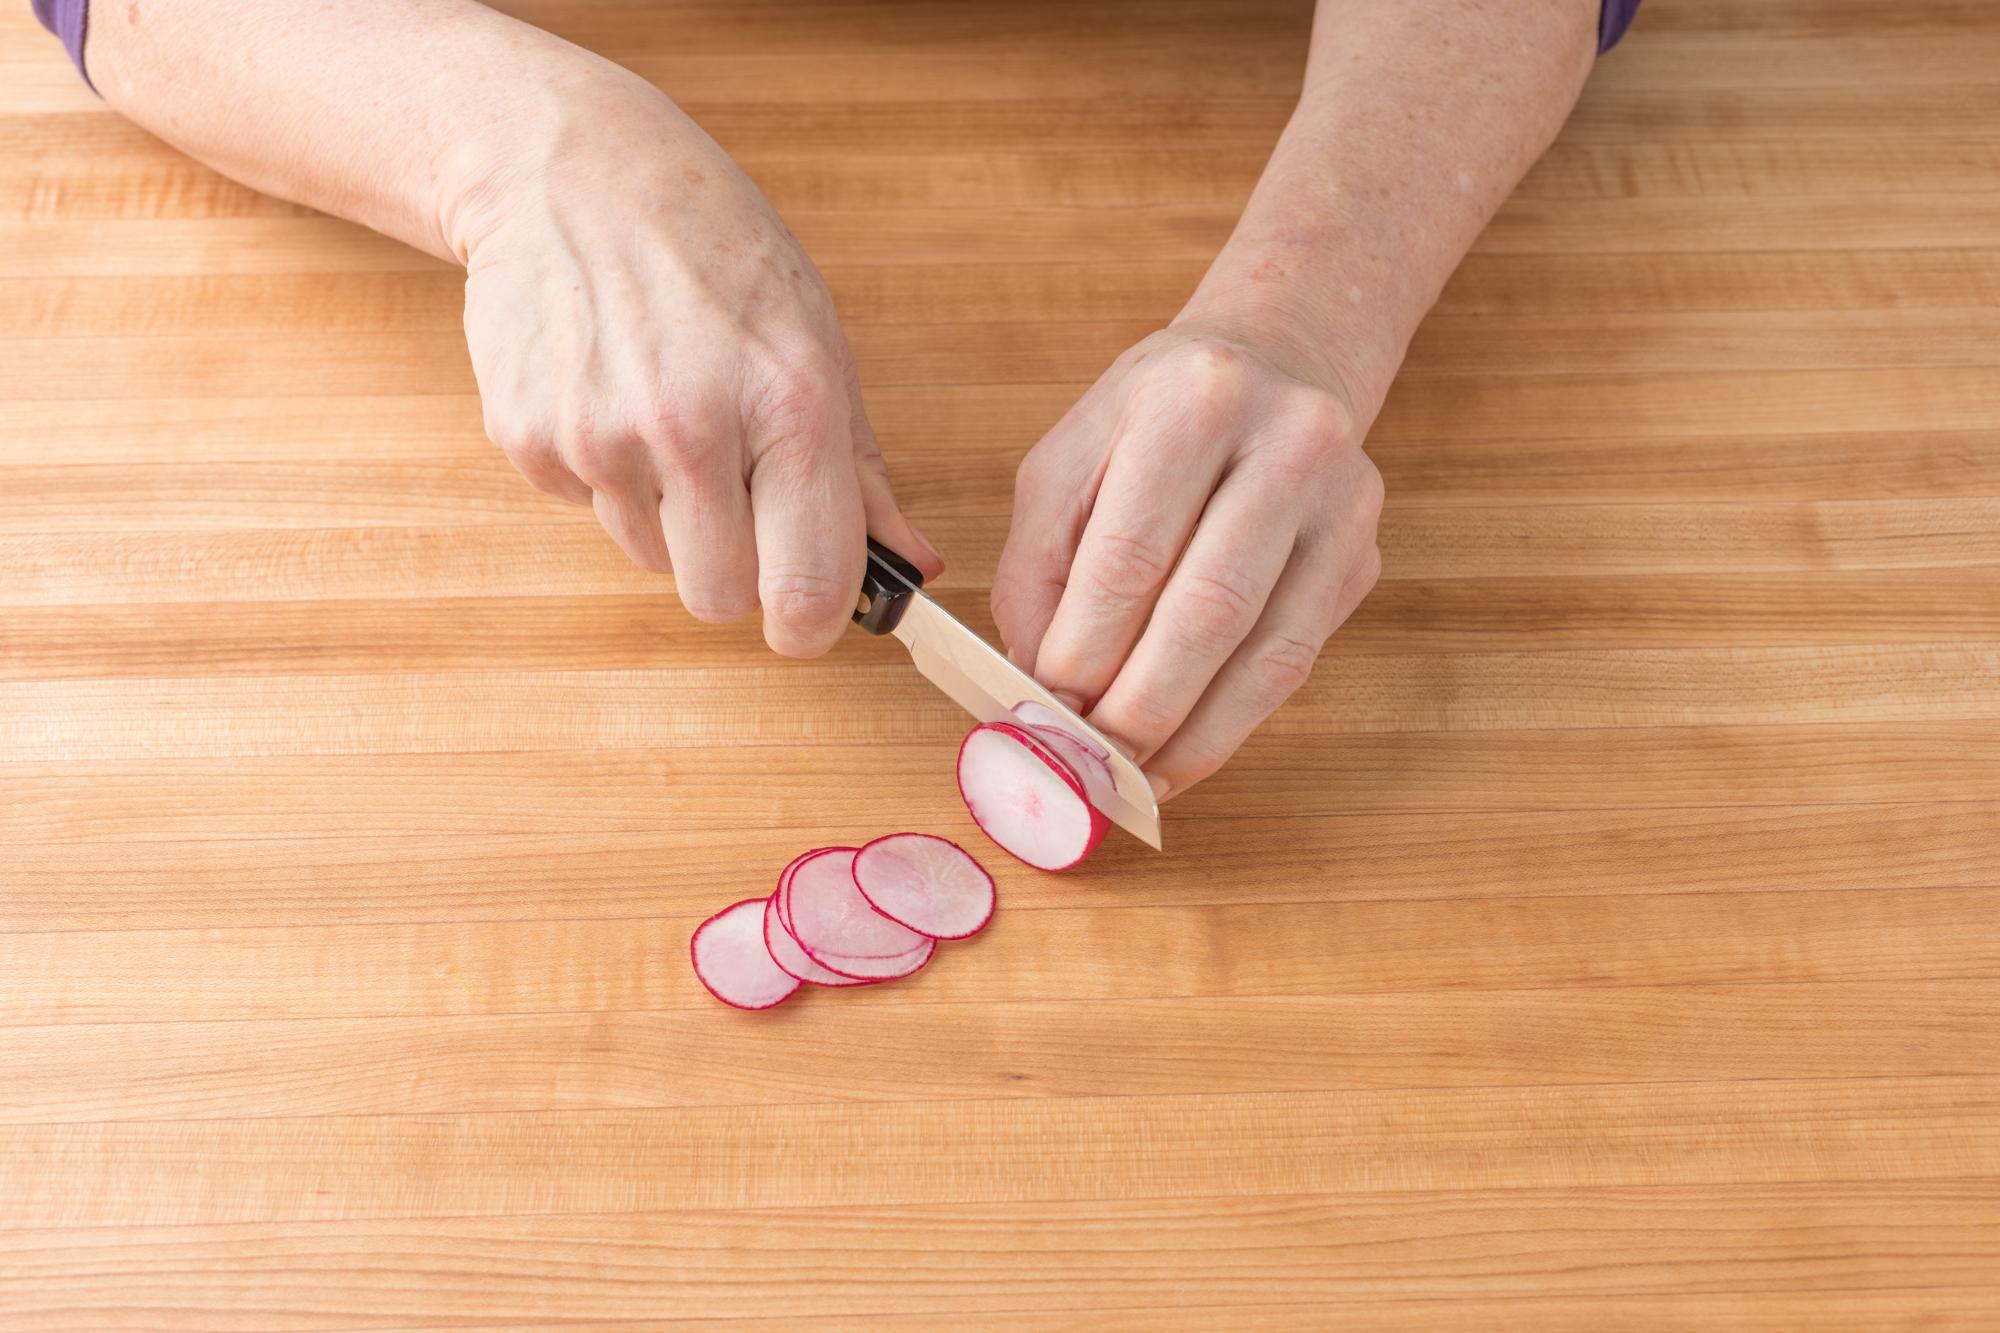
point(790, 957)
point(731, 959)
point(1039, 716)
point(930, 884)
point(1089, 767)
point(1026, 798)
point(836, 926)
point(858, 971)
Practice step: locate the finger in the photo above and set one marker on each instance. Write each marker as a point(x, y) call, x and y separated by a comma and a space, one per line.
point(1157, 481)
point(633, 520)
point(1212, 600)
point(811, 533)
point(885, 518)
point(705, 512)
point(1053, 491)
point(1313, 596)
point(546, 472)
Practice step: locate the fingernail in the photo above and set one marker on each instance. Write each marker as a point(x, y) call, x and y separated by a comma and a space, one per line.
point(929, 545)
point(1160, 786)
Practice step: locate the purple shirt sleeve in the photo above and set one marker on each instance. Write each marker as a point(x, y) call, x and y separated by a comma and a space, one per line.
point(1613, 20)
point(66, 19)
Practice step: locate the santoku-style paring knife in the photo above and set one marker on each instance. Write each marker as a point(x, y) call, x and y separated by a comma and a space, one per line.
point(982, 681)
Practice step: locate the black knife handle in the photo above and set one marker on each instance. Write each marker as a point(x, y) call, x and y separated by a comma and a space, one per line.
point(887, 585)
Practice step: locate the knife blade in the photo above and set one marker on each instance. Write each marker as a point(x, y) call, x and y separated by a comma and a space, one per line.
point(980, 679)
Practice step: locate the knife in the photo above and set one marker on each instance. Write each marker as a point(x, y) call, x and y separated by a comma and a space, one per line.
point(982, 681)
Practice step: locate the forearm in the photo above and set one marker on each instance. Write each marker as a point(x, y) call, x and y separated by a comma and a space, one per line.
point(393, 113)
point(1416, 121)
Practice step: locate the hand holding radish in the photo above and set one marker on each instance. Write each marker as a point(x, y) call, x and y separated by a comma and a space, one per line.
point(649, 340)
point(1184, 541)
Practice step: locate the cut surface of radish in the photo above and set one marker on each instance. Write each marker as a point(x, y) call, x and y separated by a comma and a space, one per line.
point(790, 957)
point(928, 883)
point(837, 927)
point(731, 959)
point(1039, 715)
point(1023, 796)
point(1089, 766)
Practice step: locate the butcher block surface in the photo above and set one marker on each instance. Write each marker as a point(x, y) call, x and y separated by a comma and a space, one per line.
point(1607, 937)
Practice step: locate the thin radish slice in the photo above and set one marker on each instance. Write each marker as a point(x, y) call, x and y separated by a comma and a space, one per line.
point(782, 895)
point(930, 884)
point(789, 957)
point(1024, 797)
point(858, 971)
point(837, 927)
point(732, 961)
point(1033, 713)
point(1083, 761)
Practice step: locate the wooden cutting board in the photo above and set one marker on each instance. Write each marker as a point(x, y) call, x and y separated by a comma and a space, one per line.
point(1608, 937)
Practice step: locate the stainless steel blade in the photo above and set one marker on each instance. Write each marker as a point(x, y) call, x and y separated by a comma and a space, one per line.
point(985, 684)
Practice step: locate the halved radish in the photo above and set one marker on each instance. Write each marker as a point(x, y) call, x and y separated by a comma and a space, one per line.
point(928, 883)
point(1024, 796)
point(732, 961)
point(1038, 716)
point(835, 925)
point(1084, 761)
point(789, 957)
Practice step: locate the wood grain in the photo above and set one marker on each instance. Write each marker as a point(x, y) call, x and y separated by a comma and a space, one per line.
point(1608, 936)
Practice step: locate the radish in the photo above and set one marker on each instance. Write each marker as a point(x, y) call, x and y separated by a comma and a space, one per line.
point(1040, 717)
point(862, 970)
point(731, 959)
point(837, 928)
point(1026, 798)
point(789, 957)
point(1083, 760)
point(927, 883)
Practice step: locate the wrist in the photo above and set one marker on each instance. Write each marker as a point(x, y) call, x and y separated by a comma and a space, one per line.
point(1315, 327)
point(514, 157)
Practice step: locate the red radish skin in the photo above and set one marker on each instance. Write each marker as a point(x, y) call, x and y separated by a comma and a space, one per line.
point(731, 959)
point(927, 883)
point(835, 925)
point(790, 957)
point(1025, 797)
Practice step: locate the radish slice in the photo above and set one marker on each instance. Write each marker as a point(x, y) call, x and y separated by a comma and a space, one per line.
point(930, 884)
point(1085, 762)
point(787, 954)
point(835, 925)
point(1040, 716)
point(732, 961)
point(859, 971)
point(1024, 797)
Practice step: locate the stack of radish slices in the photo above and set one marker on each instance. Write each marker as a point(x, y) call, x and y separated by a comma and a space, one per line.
point(844, 916)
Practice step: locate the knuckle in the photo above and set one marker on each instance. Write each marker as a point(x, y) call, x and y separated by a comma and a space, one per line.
point(804, 599)
point(1372, 493)
point(718, 606)
point(798, 398)
point(601, 460)
point(1216, 610)
point(1281, 665)
point(1126, 568)
point(1320, 429)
